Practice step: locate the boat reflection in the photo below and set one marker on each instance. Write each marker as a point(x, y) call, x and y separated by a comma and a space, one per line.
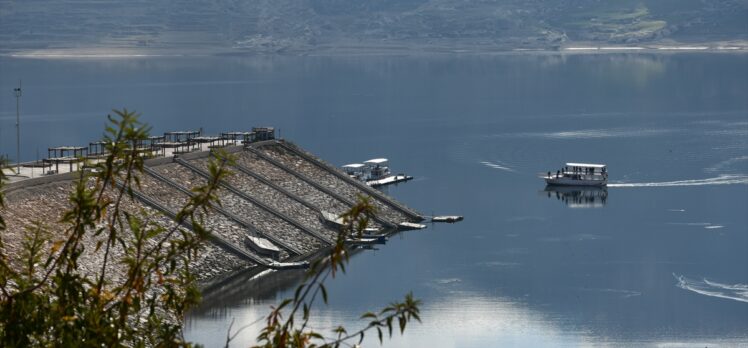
point(579, 196)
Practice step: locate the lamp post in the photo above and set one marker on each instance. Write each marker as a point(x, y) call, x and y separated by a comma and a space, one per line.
point(18, 128)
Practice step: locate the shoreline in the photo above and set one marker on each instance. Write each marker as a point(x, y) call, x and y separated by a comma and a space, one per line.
point(719, 47)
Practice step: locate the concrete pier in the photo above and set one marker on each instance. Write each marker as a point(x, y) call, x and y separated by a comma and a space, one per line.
point(278, 192)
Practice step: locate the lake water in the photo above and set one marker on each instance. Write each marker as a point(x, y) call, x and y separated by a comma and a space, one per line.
point(659, 259)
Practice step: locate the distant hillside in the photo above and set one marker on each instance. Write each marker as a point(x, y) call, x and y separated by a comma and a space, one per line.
point(278, 25)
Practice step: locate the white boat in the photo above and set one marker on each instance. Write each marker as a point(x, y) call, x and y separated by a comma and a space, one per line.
point(405, 226)
point(377, 169)
point(332, 218)
point(289, 265)
point(365, 240)
point(579, 174)
point(262, 246)
point(356, 170)
point(374, 172)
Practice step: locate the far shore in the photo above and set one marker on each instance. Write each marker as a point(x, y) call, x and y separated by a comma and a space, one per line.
point(395, 49)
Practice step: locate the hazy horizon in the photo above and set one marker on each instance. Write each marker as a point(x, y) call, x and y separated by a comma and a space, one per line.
point(283, 26)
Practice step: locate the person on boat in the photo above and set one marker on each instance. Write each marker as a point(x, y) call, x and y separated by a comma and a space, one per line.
point(558, 172)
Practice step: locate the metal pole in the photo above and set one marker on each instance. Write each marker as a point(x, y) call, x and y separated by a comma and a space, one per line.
point(18, 128)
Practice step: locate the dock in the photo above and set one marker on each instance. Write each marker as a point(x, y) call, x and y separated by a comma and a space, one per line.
point(406, 226)
point(393, 179)
point(448, 218)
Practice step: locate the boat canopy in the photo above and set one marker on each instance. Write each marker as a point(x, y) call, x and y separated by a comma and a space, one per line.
point(585, 165)
point(376, 161)
point(354, 165)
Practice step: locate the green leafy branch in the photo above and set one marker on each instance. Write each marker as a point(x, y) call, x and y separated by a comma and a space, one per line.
point(285, 333)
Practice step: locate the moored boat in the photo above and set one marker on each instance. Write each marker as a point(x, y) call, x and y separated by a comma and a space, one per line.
point(377, 168)
point(355, 170)
point(262, 246)
point(579, 174)
point(374, 172)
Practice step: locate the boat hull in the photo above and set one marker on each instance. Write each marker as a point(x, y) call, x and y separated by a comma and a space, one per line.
point(564, 181)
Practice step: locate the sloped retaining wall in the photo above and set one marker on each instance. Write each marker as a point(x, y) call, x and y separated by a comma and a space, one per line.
point(277, 191)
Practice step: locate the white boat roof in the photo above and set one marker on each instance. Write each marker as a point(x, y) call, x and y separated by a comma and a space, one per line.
point(376, 161)
point(354, 165)
point(588, 165)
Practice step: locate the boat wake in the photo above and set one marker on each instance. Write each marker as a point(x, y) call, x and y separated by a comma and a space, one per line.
point(599, 133)
point(736, 292)
point(732, 162)
point(731, 179)
point(499, 166)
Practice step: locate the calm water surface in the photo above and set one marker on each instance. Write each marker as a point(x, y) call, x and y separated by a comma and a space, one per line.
point(659, 259)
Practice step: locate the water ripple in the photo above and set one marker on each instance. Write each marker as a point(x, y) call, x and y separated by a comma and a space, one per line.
point(497, 166)
point(732, 179)
point(591, 133)
point(727, 164)
point(736, 292)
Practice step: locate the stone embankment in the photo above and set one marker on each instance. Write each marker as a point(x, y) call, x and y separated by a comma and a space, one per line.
point(283, 202)
point(291, 183)
point(328, 179)
point(275, 192)
point(174, 200)
point(44, 204)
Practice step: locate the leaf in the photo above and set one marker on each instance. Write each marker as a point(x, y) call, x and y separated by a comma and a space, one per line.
point(284, 303)
point(298, 291)
point(57, 245)
point(338, 330)
point(324, 293)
